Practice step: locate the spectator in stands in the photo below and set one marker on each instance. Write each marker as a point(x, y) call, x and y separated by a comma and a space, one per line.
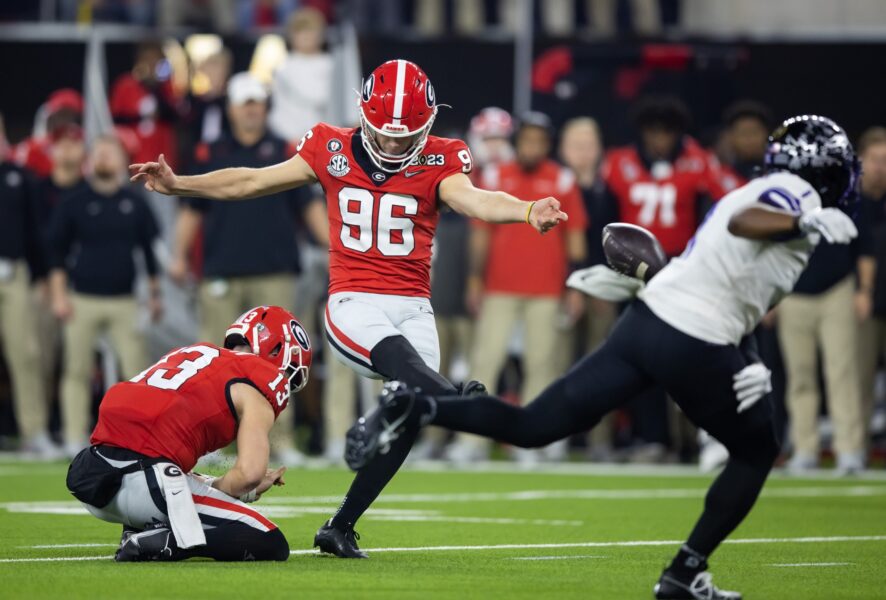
point(211, 15)
point(581, 149)
point(249, 250)
point(521, 277)
point(67, 153)
point(748, 124)
point(262, 13)
point(302, 85)
point(872, 152)
point(822, 314)
point(93, 236)
point(208, 116)
point(21, 264)
point(137, 12)
point(143, 103)
point(62, 108)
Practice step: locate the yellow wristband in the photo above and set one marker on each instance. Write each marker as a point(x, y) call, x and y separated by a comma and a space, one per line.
point(529, 211)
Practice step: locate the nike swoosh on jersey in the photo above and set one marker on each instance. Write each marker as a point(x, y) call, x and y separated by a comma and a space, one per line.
point(411, 173)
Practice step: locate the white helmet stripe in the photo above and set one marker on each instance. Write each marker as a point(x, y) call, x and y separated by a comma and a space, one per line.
point(399, 92)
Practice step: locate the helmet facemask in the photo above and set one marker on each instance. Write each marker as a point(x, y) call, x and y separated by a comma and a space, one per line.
point(393, 163)
point(289, 361)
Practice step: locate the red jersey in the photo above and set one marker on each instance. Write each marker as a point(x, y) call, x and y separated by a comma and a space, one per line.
point(381, 225)
point(663, 201)
point(34, 154)
point(136, 110)
point(181, 407)
point(521, 261)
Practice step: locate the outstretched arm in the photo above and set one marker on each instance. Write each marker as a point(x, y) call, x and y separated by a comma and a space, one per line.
point(498, 207)
point(237, 183)
point(759, 223)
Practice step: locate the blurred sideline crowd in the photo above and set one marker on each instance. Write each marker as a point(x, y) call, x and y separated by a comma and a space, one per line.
point(88, 261)
point(430, 18)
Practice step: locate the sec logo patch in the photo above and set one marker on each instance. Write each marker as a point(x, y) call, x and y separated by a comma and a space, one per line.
point(334, 145)
point(338, 165)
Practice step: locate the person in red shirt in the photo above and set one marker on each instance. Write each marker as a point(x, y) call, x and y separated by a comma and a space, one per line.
point(516, 277)
point(62, 110)
point(664, 182)
point(154, 428)
point(384, 183)
point(143, 103)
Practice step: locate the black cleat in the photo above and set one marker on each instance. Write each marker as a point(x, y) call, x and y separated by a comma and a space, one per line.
point(375, 432)
point(342, 544)
point(128, 531)
point(673, 587)
point(153, 544)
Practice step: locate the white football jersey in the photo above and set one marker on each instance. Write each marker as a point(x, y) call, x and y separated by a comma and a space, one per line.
point(722, 285)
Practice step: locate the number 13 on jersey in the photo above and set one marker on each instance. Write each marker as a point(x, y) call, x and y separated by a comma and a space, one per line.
point(383, 221)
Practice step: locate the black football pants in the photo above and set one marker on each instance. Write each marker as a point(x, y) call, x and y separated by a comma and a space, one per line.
point(644, 351)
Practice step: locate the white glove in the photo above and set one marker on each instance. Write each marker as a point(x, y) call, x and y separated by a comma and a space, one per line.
point(750, 384)
point(602, 282)
point(835, 226)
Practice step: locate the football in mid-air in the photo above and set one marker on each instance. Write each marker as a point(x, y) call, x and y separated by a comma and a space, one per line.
point(633, 251)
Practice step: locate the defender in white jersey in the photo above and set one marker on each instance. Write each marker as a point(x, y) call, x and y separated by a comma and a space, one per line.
point(722, 285)
point(683, 333)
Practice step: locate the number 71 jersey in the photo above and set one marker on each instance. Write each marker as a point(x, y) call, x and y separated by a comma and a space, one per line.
point(381, 225)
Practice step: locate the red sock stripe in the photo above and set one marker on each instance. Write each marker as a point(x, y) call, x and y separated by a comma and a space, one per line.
point(345, 339)
point(210, 501)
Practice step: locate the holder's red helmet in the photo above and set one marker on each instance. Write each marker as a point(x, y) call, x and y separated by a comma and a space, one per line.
point(397, 100)
point(274, 334)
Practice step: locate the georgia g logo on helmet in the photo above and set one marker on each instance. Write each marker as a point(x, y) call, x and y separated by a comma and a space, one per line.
point(367, 87)
point(300, 335)
point(430, 95)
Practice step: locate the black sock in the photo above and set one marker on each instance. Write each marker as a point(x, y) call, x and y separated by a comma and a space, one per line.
point(372, 479)
point(687, 563)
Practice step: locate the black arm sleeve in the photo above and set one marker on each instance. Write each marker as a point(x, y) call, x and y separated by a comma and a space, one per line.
point(148, 232)
point(60, 235)
point(34, 216)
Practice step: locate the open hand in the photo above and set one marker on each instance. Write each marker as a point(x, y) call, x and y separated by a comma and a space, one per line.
point(545, 214)
point(157, 176)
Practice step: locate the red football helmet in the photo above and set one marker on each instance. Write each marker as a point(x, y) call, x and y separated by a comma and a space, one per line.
point(274, 334)
point(492, 122)
point(397, 100)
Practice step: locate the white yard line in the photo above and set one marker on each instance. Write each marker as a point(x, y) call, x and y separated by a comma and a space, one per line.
point(12, 464)
point(593, 494)
point(478, 520)
point(813, 564)
point(622, 544)
point(293, 506)
point(569, 557)
point(71, 546)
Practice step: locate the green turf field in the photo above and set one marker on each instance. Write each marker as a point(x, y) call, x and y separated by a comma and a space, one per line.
point(568, 533)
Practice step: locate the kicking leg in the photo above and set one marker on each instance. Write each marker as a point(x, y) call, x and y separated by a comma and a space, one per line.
point(573, 403)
